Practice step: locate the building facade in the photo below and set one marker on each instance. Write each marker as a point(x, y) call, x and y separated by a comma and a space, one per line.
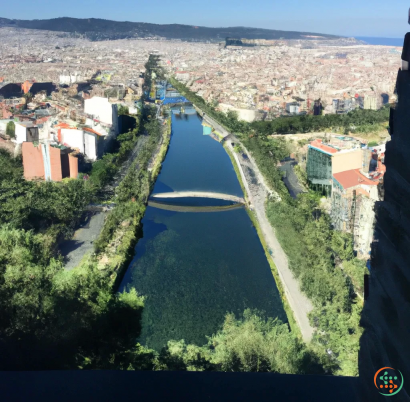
point(46, 162)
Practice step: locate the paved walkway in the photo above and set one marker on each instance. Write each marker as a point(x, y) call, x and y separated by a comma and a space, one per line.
point(258, 192)
point(82, 243)
point(291, 181)
point(73, 250)
point(199, 194)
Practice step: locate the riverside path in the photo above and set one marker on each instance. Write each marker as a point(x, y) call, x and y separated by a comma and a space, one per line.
point(258, 192)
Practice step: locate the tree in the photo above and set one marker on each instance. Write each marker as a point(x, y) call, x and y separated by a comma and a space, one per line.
point(11, 129)
point(52, 318)
point(28, 96)
point(123, 110)
point(250, 343)
point(237, 148)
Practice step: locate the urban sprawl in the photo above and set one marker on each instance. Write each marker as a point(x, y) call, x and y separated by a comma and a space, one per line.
point(60, 96)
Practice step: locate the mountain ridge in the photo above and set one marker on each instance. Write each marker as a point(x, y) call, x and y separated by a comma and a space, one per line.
point(102, 29)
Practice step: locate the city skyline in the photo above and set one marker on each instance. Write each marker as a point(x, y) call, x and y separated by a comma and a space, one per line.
point(372, 19)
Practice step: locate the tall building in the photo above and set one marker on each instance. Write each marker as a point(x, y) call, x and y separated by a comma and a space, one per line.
point(324, 160)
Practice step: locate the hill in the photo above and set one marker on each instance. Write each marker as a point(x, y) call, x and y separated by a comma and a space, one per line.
point(100, 29)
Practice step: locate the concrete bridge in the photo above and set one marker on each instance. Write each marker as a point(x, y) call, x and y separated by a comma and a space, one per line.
point(199, 194)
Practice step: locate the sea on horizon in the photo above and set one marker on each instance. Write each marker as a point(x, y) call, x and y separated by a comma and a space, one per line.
point(382, 41)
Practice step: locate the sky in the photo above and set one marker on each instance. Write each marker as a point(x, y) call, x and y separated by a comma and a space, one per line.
point(373, 18)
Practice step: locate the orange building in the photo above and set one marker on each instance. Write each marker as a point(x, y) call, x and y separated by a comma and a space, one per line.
point(46, 162)
point(26, 85)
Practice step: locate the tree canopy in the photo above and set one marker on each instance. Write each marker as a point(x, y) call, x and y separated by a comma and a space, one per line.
point(11, 129)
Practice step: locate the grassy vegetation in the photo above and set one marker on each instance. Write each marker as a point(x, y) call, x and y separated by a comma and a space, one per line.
point(289, 313)
point(238, 173)
point(315, 252)
point(162, 152)
point(301, 175)
point(104, 169)
point(116, 242)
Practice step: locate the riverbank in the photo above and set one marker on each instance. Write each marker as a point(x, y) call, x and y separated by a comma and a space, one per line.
point(114, 248)
point(297, 305)
point(82, 242)
point(292, 303)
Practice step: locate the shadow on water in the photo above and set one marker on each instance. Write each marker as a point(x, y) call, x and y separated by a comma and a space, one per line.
point(184, 208)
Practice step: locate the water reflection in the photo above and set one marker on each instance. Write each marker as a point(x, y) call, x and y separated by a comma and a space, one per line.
point(196, 267)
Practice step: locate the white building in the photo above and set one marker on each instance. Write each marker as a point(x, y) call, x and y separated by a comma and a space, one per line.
point(26, 132)
point(370, 102)
point(102, 116)
point(88, 141)
point(293, 108)
point(182, 75)
point(71, 79)
point(101, 109)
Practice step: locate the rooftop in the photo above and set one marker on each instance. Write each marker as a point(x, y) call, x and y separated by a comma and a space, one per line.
point(353, 178)
point(90, 130)
point(326, 148)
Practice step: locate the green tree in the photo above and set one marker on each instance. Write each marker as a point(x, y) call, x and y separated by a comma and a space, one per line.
point(237, 148)
point(246, 344)
point(123, 110)
point(11, 129)
point(324, 263)
point(52, 318)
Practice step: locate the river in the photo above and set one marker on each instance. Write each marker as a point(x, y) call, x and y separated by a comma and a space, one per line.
point(195, 267)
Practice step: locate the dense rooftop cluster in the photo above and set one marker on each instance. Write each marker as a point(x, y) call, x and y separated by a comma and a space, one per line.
point(267, 79)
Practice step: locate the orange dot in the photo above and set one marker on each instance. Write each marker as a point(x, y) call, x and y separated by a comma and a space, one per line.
point(381, 386)
point(391, 386)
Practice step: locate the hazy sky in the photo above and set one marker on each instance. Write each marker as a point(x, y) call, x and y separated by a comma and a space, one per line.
point(382, 18)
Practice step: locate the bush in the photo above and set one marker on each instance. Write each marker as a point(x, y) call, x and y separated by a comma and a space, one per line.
point(249, 344)
point(11, 129)
point(316, 256)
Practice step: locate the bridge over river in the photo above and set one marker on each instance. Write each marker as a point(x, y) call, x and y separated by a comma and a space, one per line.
point(199, 194)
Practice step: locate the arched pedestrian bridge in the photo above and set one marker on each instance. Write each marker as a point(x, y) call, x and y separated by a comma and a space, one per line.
point(199, 194)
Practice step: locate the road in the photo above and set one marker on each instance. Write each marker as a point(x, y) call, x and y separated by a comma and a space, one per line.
point(258, 193)
point(291, 181)
point(73, 250)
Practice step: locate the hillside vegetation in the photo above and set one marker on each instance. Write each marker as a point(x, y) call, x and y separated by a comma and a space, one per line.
point(100, 29)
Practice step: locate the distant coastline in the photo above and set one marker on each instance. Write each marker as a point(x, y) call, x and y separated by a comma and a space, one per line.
point(381, 41)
